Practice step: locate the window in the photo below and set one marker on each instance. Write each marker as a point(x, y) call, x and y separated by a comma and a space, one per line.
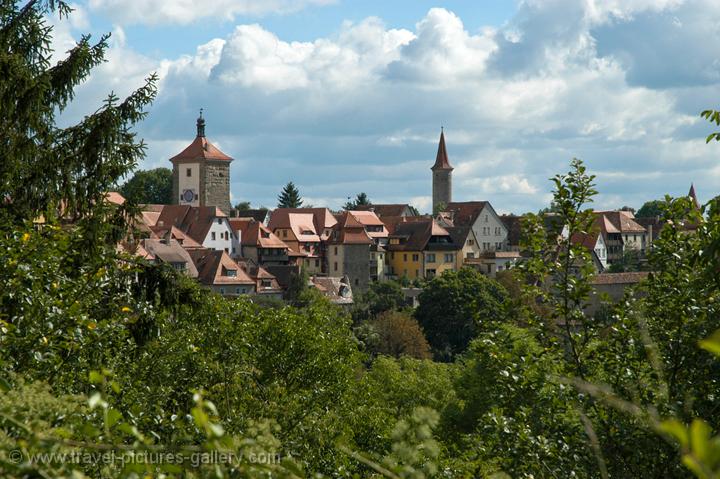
point(470, 242)
point(231, 273)
point(470, 255)
point(335, 266)
point(266, 283)
point(357, 282)
point(486, 218)
point(449, 258)
point(226, 250)
point(196, 196)
point(336, 250)
point(222, 290)
point(404, 256)
point(238, 290)
point(284, 233)
point(212, 236)
point(188, 172)
point(233, 251)
point(431, 258)
point(416, 257)
point(317, 263)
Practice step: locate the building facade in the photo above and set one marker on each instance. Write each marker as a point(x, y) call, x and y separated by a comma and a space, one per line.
point(201, 174)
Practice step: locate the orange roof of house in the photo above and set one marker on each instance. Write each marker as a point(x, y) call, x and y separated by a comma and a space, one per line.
point(386, 209)
point(170, 252)
point(619, 222)
point(350, 231)
point(115, 198)
point(465, 212)
point(588, 240)
point(367, 218)
point(193, 221)
point(211, 264)
point(254, 233)
point(317, 220)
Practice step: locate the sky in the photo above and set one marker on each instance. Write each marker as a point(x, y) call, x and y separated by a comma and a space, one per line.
point(348, 96)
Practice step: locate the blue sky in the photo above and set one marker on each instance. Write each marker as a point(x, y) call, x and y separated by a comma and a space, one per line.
point(348, 96)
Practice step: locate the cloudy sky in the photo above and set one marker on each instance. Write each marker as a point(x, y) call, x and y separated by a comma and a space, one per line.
point(343, 96)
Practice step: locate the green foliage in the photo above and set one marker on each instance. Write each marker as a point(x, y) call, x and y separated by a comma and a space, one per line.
point(631, 260)
point(46, 169)
point(360, 200)
point(454, 306)
point(381, 296)
point(242, 206)
point(650, 209)
point(396, 333)
point(149, 187)
point(290, 197)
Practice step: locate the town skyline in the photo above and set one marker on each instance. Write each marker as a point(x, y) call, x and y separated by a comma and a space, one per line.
point(346, 107)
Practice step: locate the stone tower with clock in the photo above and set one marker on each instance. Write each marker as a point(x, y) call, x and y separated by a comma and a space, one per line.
point(201, 173)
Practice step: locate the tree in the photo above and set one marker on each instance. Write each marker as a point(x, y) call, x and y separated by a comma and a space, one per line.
point(650, 209)
point(454, 306)
point(380, 296)
point(290, 197)
point(46, 169)
point(360, 200)
point(413, 211)
point(243, 206)
point(149, 187)
point(398, 334)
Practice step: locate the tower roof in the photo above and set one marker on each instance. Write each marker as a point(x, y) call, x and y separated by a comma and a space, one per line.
point(693, 196)
point(441, 161)
point(200, 148)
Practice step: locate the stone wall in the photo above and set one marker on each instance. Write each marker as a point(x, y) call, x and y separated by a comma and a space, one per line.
point(356, 266)
point(441, 187)
point(215, 185)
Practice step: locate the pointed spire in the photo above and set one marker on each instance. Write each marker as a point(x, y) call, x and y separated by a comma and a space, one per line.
point(441, 161)
point(201, 125)
point(693, 196)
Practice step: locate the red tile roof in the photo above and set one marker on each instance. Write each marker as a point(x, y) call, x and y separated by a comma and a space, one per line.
point(194, 221)
point(254, 233)
point(387, 209)
point(466, 212)
point(619, 278)
point(350, 231)
point(620, 222)
point(200, 149)
point(316, 220)
point(441, 161)
point(212, 267)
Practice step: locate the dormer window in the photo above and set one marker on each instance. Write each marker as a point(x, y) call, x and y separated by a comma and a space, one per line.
point(232, 273)
point(264, 234)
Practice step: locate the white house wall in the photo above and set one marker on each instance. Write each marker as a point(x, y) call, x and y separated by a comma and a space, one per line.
point(490, 232)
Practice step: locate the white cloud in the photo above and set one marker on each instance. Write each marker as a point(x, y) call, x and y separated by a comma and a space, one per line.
point(188, 11)
point(361, 110)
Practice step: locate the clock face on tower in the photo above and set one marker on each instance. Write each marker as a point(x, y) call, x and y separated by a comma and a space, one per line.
point(188, 196)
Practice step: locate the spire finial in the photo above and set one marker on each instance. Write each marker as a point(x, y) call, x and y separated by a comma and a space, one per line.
point(201, 125)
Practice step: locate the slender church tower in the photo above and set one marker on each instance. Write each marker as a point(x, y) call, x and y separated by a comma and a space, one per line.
point(201, 173)
point(441, 177)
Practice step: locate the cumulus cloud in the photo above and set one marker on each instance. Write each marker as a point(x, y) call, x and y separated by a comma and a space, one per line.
point(361, 110)
point(188, 11)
